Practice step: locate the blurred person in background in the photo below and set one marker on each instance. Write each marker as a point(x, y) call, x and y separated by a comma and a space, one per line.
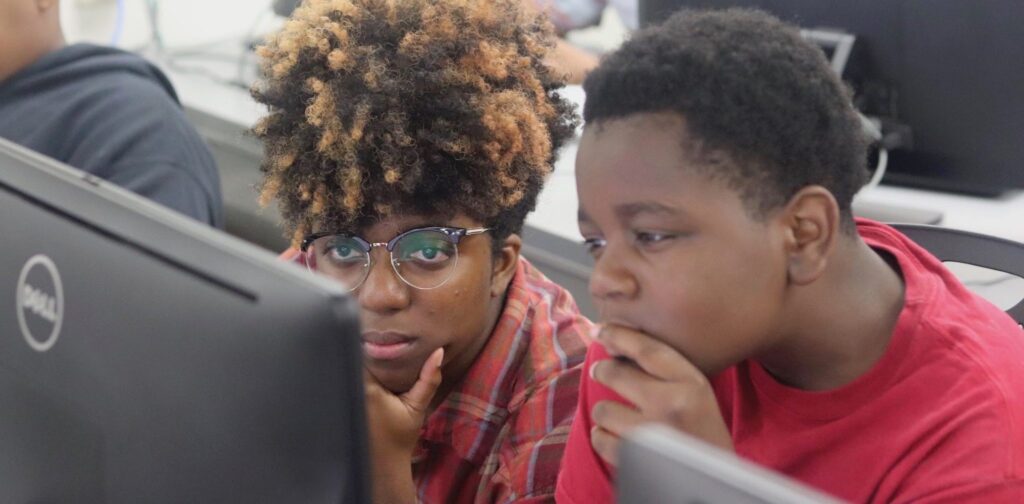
point(101, 110)
point(568, 15)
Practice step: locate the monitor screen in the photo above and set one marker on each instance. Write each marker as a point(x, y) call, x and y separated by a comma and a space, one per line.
point(946, 71)
point(147, 358)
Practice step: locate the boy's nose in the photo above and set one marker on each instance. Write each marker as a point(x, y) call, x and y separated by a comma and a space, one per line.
point(611, 280)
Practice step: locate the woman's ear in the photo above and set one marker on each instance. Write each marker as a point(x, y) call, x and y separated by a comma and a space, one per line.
point(505, 262)
point(811, 220)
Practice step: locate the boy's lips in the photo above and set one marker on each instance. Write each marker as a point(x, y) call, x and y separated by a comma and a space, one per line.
point(623, 324)
point(387, 345)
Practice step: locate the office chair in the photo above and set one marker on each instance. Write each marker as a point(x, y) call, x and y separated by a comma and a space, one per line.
point(971, 248)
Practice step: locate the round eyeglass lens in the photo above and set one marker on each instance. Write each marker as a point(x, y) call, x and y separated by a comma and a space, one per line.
point(339, 257)
point(425, 259)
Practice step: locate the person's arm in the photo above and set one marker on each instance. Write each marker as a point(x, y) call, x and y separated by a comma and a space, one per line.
point(572, 61)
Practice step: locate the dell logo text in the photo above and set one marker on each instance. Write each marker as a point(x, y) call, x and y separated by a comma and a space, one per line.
point(40, 302)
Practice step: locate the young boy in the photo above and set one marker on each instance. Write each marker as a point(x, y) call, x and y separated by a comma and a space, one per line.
point(406, 142)
point(749, 308)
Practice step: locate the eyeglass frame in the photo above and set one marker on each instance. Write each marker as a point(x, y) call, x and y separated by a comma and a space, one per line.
point(453, 234)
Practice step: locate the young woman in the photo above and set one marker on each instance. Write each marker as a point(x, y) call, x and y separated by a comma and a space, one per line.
point(406, 142)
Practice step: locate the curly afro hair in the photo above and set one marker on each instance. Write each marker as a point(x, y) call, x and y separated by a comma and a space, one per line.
point(752, 92)
point(426, 107)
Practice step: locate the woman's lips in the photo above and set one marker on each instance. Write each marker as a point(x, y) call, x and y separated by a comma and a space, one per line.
point(387, 345)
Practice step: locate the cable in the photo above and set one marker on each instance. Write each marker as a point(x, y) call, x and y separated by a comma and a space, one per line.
point(875, 134)
point(115, 38)
point(153, 12)
point(876, 177)
point(173, 58)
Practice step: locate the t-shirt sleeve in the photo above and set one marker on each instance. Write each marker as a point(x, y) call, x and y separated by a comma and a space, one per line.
point(138, 137)
point(585, 478)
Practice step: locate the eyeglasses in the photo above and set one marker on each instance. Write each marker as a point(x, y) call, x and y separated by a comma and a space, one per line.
point(424, 258)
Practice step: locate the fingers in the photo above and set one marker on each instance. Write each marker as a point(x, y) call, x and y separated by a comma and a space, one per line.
point(605, 444)
point(422, 392)
point(612, 420)
point(627, 380)
point(662, 385)
point(654, 357)
point(615, 418)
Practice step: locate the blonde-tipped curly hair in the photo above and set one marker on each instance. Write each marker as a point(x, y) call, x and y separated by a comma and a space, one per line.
point(431, 107)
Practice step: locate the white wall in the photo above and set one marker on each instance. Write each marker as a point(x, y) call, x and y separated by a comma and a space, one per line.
point(182, 22)
point(194, 22)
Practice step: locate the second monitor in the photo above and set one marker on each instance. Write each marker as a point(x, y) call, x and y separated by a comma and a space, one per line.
point(947, 72)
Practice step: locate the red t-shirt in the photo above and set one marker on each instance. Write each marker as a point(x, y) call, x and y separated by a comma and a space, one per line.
point(939, 418)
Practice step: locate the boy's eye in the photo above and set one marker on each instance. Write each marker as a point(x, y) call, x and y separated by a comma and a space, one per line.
point(594, 245)
point(647, 237)
point(653, 240)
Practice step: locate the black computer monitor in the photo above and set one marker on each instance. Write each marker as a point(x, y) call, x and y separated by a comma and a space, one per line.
point(147, 358)
point(949, 70)
point(658, 464)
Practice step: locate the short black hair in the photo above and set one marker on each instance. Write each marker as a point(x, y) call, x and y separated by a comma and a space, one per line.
point(384, 107)
point(751, 90)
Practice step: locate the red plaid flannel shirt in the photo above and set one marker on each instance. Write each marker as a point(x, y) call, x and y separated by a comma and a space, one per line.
point(499, 436)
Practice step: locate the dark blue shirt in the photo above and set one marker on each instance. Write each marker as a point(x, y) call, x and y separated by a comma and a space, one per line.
point(115, 115)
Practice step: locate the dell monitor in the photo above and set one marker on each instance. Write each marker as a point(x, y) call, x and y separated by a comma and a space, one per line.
point(658, 464)
point(147, 358)
point(943, 76)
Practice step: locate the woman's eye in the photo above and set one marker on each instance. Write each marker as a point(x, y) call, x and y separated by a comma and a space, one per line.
point(342, 252)
point(430, 255)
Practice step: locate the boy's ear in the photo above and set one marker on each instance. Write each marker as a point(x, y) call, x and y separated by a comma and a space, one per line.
point(811, 223)
point(505, 263)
